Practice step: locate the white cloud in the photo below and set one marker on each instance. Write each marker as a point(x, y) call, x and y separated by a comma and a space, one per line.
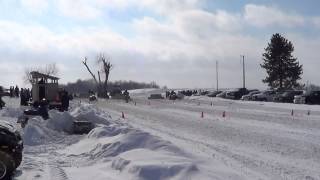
point(39, 39)
point(264, 16)
point(179, 50)
point(83, 9)
point(169, 6)
point(203, 22)
point(192, 33)
point(35, 6)
point(79, 9)
point(316, 21)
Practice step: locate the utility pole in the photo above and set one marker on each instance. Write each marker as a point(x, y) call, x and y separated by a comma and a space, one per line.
point(243, 72)
point(217, 75)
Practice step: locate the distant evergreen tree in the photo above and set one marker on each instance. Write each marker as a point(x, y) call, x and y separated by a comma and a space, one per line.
point(283, 70)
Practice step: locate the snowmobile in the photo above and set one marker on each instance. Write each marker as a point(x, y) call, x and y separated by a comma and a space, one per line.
point(92, 98)
point(37, 110)
point(11, 147)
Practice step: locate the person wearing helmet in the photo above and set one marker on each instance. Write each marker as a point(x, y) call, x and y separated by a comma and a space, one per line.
point(43, 109)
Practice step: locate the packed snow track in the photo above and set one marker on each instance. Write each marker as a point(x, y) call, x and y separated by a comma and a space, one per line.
point(255, 140)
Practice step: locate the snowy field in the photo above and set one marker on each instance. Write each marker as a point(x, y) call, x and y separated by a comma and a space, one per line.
point(163, 139)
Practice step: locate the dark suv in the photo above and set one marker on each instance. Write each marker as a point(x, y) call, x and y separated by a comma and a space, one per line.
point(288, 96)
point(313, 97)
point(11, 147)
point(236, 93)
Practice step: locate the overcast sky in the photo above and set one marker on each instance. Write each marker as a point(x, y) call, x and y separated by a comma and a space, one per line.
point(173, 42)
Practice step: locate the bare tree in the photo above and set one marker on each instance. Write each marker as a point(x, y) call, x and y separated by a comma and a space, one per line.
point(106, 67)
point(49, 69)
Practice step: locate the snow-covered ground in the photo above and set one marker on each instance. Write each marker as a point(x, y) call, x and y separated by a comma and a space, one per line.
point(163, 139)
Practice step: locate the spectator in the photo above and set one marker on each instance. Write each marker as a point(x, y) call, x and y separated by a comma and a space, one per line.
point(11, 91)
point(16, 91)
point(126, 96)
point(22, 97)
point(65, 100)
point(43, 109)
point(2, 103)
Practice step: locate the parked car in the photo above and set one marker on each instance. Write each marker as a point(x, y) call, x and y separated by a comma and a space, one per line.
point(299, 99)
point(236, 93)
point(214, 93)
point(203, 93)
point(312, 97)
point(10, 150)
point(174, 96)
point(288, 96)
point(248, 97)
point(155, 96)
point(264, 96)
point(222, 94)
point(277, 96)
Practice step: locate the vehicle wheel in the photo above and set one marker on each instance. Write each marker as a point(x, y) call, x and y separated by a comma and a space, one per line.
point(18, 159)
point(7, 165)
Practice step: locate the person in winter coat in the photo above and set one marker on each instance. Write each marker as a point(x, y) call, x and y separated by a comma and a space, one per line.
point(65, 98)
point(43, 109)
point(126, 96)
point(2, 103)
point(16, 91)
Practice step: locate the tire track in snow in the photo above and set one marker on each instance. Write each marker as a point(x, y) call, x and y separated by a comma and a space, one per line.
point(245, 164)
point(267, 167)
point(57, 173)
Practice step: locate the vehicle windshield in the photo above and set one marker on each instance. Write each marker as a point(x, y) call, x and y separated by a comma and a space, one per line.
point(268, 92)
point(254, 92)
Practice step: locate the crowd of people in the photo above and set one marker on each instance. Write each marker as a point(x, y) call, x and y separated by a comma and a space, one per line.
point(14, 91)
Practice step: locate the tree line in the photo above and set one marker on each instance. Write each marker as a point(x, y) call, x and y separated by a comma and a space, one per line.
point(84, 86)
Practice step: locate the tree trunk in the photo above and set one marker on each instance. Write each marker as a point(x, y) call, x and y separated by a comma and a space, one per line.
point(280, 74)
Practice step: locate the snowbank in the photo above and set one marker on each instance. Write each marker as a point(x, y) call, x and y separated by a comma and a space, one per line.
point(113, 146)
point(34, 134)
point(62, 122)
point(128, 151)
point(133, 152)
point(89, 112)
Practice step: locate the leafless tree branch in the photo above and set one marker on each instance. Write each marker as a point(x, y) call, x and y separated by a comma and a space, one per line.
point(86, 65)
